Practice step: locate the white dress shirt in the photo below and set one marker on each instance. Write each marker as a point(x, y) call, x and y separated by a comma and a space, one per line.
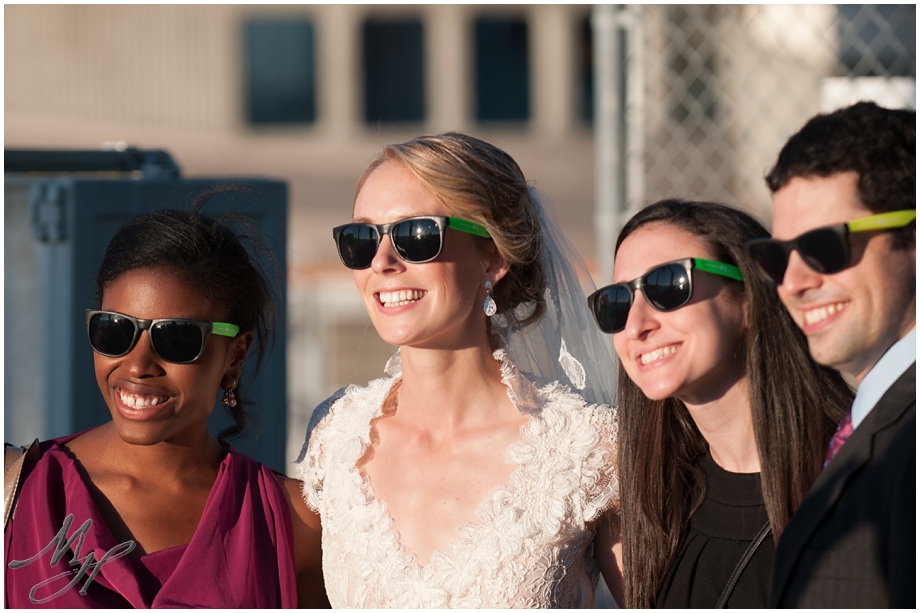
point(883, 375)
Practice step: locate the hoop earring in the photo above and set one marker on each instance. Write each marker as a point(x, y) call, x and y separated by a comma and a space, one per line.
point(229, 399)
point(489, 307)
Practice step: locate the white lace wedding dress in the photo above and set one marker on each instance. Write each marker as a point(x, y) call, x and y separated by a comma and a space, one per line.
point(532, 545)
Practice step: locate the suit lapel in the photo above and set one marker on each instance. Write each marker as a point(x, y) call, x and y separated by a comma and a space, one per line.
point(830, 485)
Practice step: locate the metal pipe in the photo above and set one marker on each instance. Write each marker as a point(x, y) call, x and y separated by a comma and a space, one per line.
point(606, 136)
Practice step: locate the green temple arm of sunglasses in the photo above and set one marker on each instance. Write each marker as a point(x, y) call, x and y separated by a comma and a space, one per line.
point(718, 268)
point(467, 226)
point(223, 329)
point(883, 221)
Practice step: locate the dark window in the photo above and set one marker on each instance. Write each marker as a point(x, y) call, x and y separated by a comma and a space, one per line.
point(877, 40)
point(586, 70)
point(394, 83)
point(281, 74)
point(502, 70)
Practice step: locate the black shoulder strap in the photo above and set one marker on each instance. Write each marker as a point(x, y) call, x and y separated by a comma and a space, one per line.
point(742, 563)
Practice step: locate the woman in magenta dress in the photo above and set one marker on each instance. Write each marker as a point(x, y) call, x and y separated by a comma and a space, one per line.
point(151, 509)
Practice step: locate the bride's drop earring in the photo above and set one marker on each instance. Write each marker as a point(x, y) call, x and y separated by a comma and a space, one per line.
point(489, 306)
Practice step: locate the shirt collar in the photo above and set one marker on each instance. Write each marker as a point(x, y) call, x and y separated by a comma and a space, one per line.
point(883, 375)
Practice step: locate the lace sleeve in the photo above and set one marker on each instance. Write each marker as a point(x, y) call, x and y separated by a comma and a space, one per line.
point(601, 485)
point(309, 465)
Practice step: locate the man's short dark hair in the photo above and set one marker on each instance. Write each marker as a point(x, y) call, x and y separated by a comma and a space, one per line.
point(877, 143)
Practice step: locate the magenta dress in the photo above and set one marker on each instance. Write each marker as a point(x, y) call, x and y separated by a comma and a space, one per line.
point(241, 555)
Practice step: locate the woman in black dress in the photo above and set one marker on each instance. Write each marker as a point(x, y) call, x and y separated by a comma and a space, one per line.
point(724, 418)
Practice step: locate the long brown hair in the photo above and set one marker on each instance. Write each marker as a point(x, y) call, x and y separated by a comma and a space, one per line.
point(795, 406)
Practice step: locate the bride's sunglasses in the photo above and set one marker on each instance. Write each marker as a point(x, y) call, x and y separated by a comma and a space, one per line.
point(179, 341)
point(825, 250)
point(666, 287)
point(416, 239)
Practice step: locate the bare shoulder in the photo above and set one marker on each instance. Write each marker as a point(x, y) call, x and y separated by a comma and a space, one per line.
point(608, 551)
point(308, 559)
point(89, 448)
point(82, 440)
point(300, 513)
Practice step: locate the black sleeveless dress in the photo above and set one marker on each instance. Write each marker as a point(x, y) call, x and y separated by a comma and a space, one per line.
point(719, 533)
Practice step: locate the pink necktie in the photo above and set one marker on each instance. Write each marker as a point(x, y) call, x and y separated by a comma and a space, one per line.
point(844, 430)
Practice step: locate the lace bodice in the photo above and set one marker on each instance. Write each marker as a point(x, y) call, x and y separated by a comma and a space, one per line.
point(531, 545)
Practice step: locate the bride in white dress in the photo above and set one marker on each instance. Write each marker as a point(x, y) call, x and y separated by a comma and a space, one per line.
point(481, 470)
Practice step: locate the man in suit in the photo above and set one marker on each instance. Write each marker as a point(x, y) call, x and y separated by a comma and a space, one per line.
point(847, 275)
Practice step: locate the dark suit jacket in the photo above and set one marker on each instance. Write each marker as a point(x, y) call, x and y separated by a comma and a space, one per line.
point(852, 541)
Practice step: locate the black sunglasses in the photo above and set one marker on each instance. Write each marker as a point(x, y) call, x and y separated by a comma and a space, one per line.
point(666, 287)
point(416, 239)
point(179, 341)
point(825, 250)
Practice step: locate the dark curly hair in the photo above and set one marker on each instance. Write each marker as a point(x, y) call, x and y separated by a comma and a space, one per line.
point(877, 143)
point(209, 254)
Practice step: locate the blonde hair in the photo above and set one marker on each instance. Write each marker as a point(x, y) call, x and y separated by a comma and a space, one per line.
point(480, 182)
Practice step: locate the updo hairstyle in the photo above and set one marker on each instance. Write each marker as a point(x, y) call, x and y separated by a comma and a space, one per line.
point(481, 183)
point(209, 255)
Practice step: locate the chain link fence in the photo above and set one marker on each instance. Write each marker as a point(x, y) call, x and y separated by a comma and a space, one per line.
point(717, 89)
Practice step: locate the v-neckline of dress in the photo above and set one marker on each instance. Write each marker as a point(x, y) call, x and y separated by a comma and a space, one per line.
point(84, 478)
point(467, 533)
point(100, 538)
point(527, 544)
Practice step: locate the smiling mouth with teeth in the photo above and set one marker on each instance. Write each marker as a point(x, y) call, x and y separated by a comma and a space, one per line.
point(658, 354)
point(140, 401)
point(814, 316)
point(400, 298)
